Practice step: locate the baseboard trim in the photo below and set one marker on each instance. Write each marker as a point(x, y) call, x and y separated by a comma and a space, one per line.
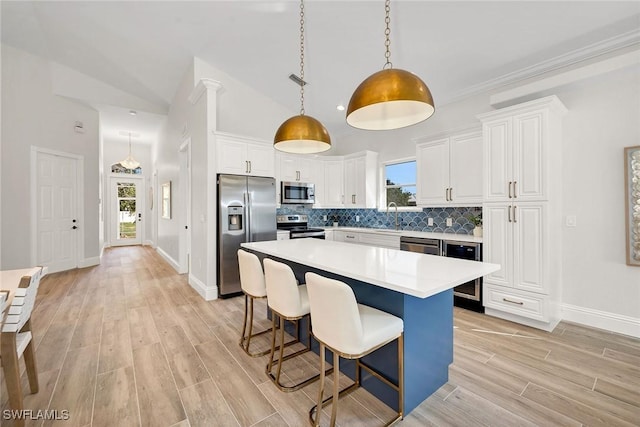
point(209, 293)
point(172, 262)
point(89, 262)
point(149, 243)
point(612, 322)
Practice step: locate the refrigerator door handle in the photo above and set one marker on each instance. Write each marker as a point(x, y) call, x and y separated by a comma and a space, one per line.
point(245, 198)
point(247, 207)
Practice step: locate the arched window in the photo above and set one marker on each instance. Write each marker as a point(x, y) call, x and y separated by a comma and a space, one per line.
point(118, 168)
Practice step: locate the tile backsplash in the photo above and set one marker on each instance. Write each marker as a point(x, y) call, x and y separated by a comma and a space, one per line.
point(372, 218)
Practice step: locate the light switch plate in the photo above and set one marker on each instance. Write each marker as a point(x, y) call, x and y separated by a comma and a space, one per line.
point(430, 222)
point(449, 222)
point(357, 218)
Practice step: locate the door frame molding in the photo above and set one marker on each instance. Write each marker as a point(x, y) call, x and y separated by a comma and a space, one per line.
point(141, 202)
point(79, 201)
point(185, 185)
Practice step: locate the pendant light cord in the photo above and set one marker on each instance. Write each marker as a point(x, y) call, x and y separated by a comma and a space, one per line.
point(302, 57)
point(387, 33)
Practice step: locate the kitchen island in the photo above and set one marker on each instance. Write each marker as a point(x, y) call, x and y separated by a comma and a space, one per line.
point(412, 286)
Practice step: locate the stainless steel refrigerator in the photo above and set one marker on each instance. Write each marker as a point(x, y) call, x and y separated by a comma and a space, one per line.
point(246, 213)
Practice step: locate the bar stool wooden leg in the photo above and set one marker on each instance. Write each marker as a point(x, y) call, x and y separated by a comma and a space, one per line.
point(11, 370)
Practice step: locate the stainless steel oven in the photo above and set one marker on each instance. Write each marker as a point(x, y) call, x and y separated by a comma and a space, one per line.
point(298, 193)
point(297, 227)
point(468, 295)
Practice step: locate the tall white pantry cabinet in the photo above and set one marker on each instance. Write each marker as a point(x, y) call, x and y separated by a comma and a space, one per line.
point(522, 211)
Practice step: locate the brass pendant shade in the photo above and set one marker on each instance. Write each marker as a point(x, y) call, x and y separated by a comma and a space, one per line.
point(302, 134)
point(390, 99)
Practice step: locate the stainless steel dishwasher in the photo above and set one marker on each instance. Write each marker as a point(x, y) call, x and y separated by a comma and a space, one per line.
point(420, 245)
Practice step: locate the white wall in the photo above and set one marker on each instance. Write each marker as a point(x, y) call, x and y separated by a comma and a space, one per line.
point(241, 109)
point(39, 118)
point(176, 130)
point(116, 150)
point(603, 118)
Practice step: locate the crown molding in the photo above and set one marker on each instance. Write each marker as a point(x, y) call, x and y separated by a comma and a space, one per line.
point(603, 47)
point(202, 86)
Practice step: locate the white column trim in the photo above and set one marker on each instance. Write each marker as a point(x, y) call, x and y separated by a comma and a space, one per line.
point(202, 86)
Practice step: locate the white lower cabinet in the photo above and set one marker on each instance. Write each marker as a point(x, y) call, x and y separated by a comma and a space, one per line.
point(282, 235)
point(369, 238)
point(516, 236)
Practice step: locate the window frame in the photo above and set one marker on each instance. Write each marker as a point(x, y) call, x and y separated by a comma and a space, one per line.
point(382, 194)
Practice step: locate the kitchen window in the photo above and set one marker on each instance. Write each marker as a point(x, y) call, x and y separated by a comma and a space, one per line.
point(399, 177)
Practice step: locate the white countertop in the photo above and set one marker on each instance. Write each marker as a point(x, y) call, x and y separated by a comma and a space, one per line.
point(407, 233)
point(410, 273)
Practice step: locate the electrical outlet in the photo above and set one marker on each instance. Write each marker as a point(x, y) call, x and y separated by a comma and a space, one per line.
point(571, 221)
point(357, 218)
point(449, 222)
point(324, 217)
point(430, 222)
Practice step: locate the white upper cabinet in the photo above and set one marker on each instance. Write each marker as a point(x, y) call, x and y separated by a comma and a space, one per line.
point(330, 189)
point(297, 168)
point(449, 171)
point(360, 180)
point(517, 152)
point(244, 156)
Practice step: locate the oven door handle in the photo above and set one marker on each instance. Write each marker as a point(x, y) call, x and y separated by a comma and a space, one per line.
point(301, 235)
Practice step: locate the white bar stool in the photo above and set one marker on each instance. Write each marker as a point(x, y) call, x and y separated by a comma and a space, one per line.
point(287, 301)
point(350, 330)
point(253, 287)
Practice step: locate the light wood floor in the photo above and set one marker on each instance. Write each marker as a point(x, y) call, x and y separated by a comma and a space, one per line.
point(130, 343)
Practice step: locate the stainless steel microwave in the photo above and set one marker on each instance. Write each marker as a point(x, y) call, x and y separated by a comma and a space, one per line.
point(298, 193)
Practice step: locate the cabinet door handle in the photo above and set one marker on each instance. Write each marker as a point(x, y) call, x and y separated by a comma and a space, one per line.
point(510, 196)
point(515, 189)
point(350, 237)
point(514, 214)
point(353, 199)
point(297, 175)
point(451, 194)
point(446, 194)
point(509, 212)
point(512, 302)
point(249, 166)
point(246, 166)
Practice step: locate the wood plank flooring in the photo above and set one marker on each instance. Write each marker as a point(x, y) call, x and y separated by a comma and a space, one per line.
point(129, 343)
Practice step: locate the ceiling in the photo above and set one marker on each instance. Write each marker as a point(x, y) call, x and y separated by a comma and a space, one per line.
point(458, 48)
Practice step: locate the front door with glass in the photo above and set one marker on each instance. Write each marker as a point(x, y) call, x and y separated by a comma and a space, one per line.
point(126, 211)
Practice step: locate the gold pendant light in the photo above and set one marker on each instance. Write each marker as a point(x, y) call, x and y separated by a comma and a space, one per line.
point(391, 98)
point(302, 134)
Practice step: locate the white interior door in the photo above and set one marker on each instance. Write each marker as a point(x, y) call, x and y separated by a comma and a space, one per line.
point(56, 208)
point(127, 199)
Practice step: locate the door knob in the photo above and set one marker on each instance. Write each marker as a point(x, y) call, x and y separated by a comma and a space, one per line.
point(74, 227)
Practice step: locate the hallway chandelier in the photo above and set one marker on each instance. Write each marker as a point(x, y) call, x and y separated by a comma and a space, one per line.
point(302, 134)
point(130, 162)
point(390, 98)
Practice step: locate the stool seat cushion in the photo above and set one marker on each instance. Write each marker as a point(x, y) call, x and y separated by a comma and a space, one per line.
point(284, 295)
point(377, 327)
point(251, 274)
point(343, 324)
